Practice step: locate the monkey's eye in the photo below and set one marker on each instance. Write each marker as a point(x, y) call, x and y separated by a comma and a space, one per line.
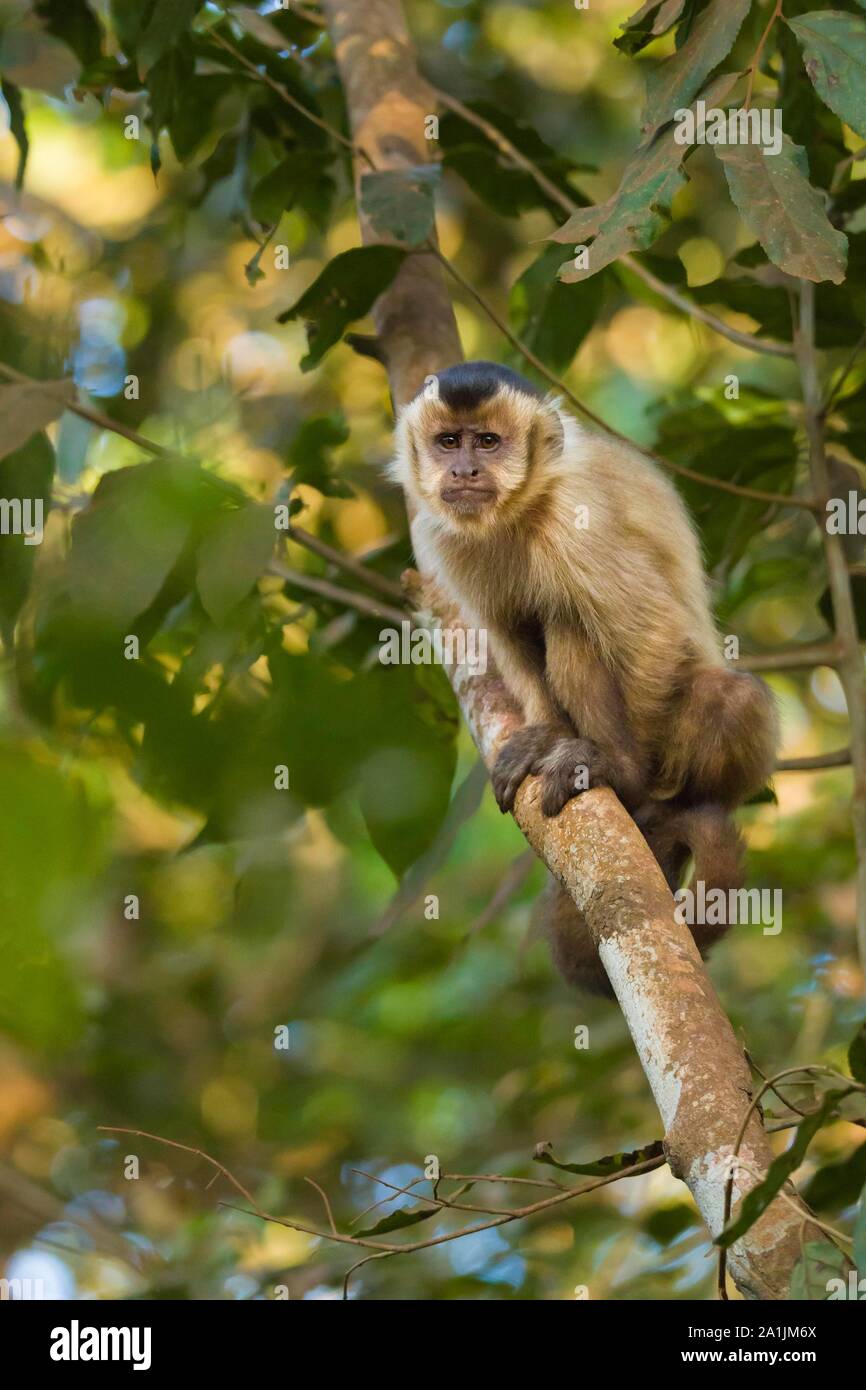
point(448, 441)
point(487, 441)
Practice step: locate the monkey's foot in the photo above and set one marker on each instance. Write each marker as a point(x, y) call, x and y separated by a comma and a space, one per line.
point(522, 755)
point(571, 767)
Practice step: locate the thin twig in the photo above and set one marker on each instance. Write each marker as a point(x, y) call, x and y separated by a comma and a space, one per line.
point(347, 563)
point(840, 757)
point(370, 607)
point(791, 658)
point(327, 1202)
point(363, 1242)
point(511, 882)
point(753, 66)
point(835, 391)
point(188, 1148)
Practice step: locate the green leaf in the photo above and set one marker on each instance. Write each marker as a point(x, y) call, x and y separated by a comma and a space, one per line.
point(52, 844)
point(397, 1220)
point(405, 789)
point(75, 24)
point(130, 18)
point(757, 1200)
point(232, 556)
point(666, 1223)
point(167, 80)
point(169, 22)
point(777, 202)
point(551, 318)
point(193, 110)
point(819, 1263)
point(601, 1167)
point(299, 176)
point(17, 126)
point(857, 1055)
point(464, 803)
point(837, 1185)
point(27, 407)
point(308, 455)
point(127, 541)
point(678, 79)
point(635, 216)
point(834, 52)
point(399, 202)
point(346, 290)
point(651, 20)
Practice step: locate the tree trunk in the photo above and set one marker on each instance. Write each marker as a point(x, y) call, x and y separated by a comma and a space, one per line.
point(697, 1071)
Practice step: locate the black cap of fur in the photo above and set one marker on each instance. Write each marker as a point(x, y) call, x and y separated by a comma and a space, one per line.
point(467, 384)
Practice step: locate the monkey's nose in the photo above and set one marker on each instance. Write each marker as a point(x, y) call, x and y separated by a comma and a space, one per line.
point(464, 472)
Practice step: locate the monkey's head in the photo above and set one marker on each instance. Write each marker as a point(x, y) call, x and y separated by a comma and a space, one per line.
point(472, 445)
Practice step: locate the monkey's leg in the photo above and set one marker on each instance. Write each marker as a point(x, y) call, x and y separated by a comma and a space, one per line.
point(521, 664)
point(604, 753)
point(571, 946)
point(721, 740)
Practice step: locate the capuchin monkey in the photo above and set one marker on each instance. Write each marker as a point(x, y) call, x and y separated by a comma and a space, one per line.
point(578, 557)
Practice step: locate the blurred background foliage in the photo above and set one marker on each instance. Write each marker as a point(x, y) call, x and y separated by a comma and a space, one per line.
point(142, 259)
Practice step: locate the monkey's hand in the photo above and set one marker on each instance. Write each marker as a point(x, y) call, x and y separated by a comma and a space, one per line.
point(522, 755)
point(568, 765)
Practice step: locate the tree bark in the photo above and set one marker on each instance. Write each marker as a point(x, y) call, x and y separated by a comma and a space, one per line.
point(388, 102)
point(695, 1067)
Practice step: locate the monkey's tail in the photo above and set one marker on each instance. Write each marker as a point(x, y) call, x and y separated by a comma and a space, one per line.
point(708, 833)
point(571, 945)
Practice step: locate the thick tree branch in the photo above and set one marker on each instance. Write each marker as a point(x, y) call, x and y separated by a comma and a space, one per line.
point(388, 103)
point(691, 1057)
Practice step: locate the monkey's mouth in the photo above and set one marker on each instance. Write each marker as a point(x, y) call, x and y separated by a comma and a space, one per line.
point(468, 499)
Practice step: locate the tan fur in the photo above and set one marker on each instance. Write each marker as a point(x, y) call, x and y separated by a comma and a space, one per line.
point(605, 633)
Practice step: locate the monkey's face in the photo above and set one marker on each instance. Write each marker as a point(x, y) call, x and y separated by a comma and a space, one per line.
point(471, 467)
point(463, 456)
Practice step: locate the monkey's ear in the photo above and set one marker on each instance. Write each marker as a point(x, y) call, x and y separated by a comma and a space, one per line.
point(553, 434)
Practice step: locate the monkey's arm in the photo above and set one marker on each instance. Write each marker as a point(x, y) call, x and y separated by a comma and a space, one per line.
point(521, 665)
point(577, 733)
